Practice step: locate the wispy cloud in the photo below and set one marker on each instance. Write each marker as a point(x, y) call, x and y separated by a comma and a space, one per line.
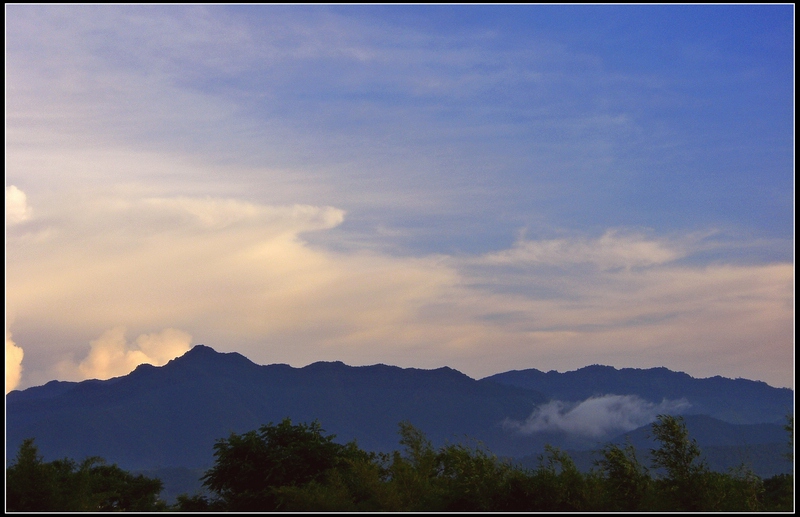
point(612, 250)
point(305, 183)
point(595, 417)
point(241, 275)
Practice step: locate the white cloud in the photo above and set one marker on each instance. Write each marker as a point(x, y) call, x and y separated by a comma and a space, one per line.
point(241, 277)
point(14, 356)
point(17, 209)
point(230, 271)
point(162, 347)
point(613, 249)
point(111, 356)
point(595, 417)
point(221, 214)
point(121, 120)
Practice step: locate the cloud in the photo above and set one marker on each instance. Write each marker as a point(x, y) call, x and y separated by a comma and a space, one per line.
point(614, 249)
point(17, 209)
point(223, 214)
point(194, 82)
point(595, 417)
point(162, 347)
point(700, 319)
point(236, 273)
point(14, 356)
point(242, 276)
point(180, 159)
point(111, 356)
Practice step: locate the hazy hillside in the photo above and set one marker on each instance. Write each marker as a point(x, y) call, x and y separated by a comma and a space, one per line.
point(738, 401)
point(171, 416)
point(760, 447)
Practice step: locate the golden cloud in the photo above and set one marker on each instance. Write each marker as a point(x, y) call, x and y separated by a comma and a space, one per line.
point(240, 276)
point(14, 356)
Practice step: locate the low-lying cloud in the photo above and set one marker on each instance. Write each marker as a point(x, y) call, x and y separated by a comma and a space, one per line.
point(595, 417)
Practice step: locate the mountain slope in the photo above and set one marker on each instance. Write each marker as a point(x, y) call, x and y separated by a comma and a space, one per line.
point(172, 415)
point(724, 446)
point(738, 401)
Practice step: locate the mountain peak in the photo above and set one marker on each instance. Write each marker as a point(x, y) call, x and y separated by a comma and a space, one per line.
point(196, 350)
point(206, 357)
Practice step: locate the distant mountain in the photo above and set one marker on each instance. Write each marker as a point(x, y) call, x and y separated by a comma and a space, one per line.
point(764, 460)
point(172, 415)
point(169, 417)
point(737, 401)
point(711, 432)
point(724, 446)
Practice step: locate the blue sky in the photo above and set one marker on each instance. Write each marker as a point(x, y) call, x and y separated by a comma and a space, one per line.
point(483, 187)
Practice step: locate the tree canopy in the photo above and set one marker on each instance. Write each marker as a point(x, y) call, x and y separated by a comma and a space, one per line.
point(296, 467)
point(33, 485)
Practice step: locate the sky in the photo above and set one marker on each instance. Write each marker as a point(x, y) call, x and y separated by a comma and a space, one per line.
point(489, 188)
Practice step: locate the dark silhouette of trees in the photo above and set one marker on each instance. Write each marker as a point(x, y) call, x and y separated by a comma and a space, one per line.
point(251, 468)
point(627, 482)
point(455, 477)
point(33, 485)
point(685, 484)
point(779, 490)
point(295, 467)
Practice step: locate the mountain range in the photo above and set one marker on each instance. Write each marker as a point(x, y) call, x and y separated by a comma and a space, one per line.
point(169, 417)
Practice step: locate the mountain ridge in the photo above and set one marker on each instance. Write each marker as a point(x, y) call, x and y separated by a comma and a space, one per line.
point(171, 415)
point(739, 401)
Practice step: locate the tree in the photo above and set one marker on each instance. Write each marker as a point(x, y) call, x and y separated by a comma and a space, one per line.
point(472, 478)
point(29, 483)
point(295, 468)
point(779, 490)
point(627, 481)
point(412, 475)
point(557, 484)
point(114, 489)
point(789, 428)
point(34, 485)
point(686, 483)
point(453, 478)
point(250, 468)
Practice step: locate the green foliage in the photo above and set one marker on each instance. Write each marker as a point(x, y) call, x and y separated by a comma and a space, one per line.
point(685, 486)
point(778, 495)
point(411, 477)
point(739, 490)
point(295, 467)
point(556, 484)
point(678, 454)
point(250, 468)
point(34, 485)
point(627, 483)
point(471, 478)
point(455, 477)
point(778, 491)
point(789, 427)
